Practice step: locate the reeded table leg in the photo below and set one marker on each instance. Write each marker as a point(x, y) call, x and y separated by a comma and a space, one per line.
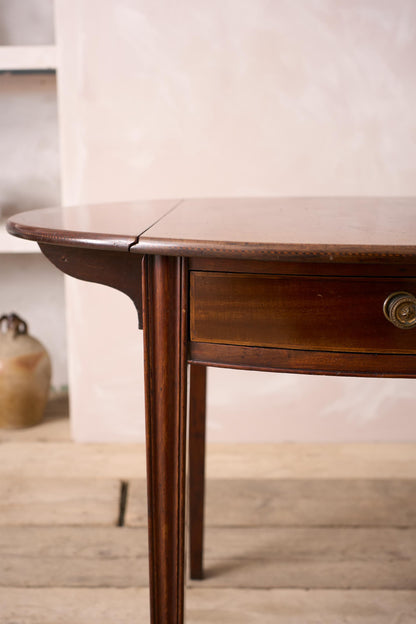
point(197, 419)
point(164, 320)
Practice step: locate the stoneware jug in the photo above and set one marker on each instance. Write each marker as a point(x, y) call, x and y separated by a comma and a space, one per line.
point(25, 375)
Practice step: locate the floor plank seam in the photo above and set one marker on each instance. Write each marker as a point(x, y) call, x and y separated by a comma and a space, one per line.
point(124, 490)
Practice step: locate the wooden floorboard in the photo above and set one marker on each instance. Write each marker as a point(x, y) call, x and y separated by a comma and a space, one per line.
point(77, 461)
point(311, 461)
point(73, 557)
point(296, 502)
point(296, 533)
point(28, 459)
point(209, 606)
point(59, 501)
point(326, 558)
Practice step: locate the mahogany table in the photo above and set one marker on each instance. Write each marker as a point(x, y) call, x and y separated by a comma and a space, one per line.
point(322, 286)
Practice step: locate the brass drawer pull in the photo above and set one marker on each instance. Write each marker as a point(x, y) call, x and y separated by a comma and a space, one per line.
point(400, 309)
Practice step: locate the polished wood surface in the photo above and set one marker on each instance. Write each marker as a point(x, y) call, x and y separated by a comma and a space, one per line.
point(197, 436)
point(291, 312)
point(165, 317)
point(310, 229)
point(301, 361)
point(285, 284)
point(296, 267)
point(100, 226)
point(121, 271)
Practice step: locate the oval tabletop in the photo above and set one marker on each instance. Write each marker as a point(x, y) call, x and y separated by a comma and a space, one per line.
point(100, 226)
point(315, 229)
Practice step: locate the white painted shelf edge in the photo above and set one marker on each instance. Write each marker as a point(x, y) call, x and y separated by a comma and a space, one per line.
point(27, 57)
point(11, 244)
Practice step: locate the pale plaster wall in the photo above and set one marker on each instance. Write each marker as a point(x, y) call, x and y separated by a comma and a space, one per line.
point(26, 22)
point(231, 98)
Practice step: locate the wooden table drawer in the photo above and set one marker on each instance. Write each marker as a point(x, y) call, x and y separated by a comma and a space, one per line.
point(297, 312)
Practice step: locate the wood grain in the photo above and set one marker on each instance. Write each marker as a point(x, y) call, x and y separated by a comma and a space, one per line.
point(303, 361)
point(297, 502)
point(288, 312)
point(110, 268)
point(78, 575)
point(311, 229)
point(228, 606)
point(312, 461)
point(165, 313)
point(302, 557)
point(73, 557)
point(360, 269)
point(311, 557)
point(59, 501)
point(346, 229)
point(101, 226)
point(300, 607)
point(65, 459)
point(67, 605)
point(291, 544)
point(233, 461)
point(196, 470)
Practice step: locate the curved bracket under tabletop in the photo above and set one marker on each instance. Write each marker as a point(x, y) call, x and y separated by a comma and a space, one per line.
point(119, 270)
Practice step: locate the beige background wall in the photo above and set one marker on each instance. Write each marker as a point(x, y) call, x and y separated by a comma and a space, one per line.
point(231, 98)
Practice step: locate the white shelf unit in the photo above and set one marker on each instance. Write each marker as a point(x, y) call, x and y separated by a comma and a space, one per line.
point(30, 172)
point(27, 58)
point(29, 177)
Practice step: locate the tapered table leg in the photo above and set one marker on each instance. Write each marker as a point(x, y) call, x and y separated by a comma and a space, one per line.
point(197, 425)
point(164, 324)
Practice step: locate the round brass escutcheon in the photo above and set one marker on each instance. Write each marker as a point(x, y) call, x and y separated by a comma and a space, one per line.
point(400, 309)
